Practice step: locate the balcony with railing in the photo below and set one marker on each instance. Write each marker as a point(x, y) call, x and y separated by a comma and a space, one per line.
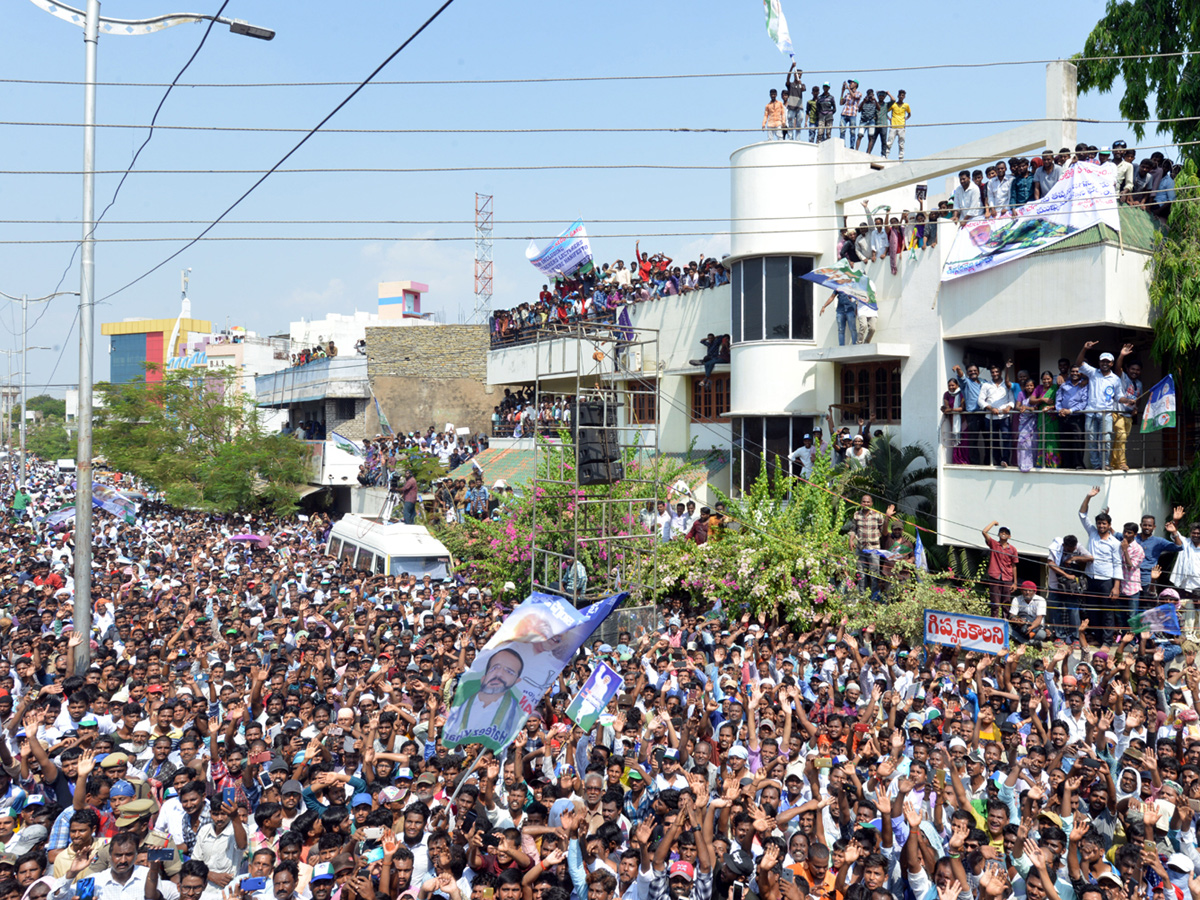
point(1030, 472)
point(339, 377)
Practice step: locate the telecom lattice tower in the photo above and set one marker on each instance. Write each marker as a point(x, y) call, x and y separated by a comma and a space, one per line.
point(483, 257)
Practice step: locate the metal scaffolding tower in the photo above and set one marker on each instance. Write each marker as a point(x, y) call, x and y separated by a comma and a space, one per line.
point(613, 428)
point(483, 258)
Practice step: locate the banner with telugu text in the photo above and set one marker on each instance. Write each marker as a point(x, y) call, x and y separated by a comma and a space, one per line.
point(570, 251)
point(1084, 196)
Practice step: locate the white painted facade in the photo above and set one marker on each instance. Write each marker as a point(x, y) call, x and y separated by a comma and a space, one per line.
point(787, 200)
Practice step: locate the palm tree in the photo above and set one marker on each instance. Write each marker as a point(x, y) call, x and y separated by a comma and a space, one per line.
point(904, 475)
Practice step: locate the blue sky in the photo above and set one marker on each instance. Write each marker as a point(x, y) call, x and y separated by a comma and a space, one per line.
point(264, 285)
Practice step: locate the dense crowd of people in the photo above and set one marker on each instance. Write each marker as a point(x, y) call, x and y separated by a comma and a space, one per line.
point(597, 295)
point(268, 724)
point(998, 189)
point(387, 459)
point(519, 413)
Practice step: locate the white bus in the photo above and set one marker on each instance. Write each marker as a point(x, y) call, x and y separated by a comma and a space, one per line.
point(389, 549)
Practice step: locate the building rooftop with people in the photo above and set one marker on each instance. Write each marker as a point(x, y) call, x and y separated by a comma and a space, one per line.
point(805, 361)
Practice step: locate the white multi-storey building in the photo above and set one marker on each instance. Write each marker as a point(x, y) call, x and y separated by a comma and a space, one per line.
point(788, 201)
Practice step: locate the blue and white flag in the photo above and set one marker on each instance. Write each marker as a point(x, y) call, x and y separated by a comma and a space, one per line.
point(516, 667)
point(777, 28)
point(346, 445)
point(919, 559)
point(597, 692)
point(1160, 408)
point(1162, 618)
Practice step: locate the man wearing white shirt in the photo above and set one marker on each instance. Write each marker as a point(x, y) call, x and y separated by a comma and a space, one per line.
point(967, 204)
point(805, 454)
point(996, 398)
point(999, 190)
point(1104, 387)
point(1104, 572)
point(1186, 574)
point(663, 522)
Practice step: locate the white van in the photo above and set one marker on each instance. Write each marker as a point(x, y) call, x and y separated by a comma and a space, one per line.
point(389, 549)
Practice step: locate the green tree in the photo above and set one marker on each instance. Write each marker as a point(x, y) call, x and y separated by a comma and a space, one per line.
point(50, 442)
point(1175, 304)
point(1140, 29)
point(196, 439)
point(902, 474)
point(49, 407)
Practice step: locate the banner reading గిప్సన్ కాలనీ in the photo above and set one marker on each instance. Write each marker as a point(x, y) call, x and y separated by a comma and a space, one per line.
point(980, 633)
point(1083, 196)
point(569, 251)
point(517, 666)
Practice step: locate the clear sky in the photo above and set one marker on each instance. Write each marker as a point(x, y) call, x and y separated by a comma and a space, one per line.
point(263, 285)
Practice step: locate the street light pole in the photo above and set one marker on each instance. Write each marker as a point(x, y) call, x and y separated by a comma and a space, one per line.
point(25, 348)
point(81, 614)
point(92, 24)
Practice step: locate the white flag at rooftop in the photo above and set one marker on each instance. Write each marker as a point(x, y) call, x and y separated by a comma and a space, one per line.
point(777, 27)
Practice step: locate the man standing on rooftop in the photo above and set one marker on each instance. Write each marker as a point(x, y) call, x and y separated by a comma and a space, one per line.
point(900, 113)
point(773, 118)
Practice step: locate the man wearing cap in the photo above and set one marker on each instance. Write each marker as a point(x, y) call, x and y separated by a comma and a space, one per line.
point(1104, 387)
point(805, 454)
point(1027, 614)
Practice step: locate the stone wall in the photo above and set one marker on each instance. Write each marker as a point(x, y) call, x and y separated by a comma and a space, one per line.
point(426, 376)
point(354, 427)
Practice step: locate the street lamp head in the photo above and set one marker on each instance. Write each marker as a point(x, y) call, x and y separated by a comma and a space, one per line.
point(240, 26)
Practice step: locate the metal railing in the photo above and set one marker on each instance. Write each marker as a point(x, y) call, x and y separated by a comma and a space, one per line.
point(517, 333)
point(1029, 441)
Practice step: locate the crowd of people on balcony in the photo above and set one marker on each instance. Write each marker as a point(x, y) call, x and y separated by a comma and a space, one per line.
point(388, 457)
point(997, 190)
point(1081, 417)
point(521, 415)
point(596, 295)
point(1001, 187)
point(319, 351)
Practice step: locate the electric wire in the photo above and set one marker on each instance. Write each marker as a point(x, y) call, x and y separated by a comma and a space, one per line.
point(875, 163)
point(262, 129)
point(484, 82)
point(785, 461)
point(124, 175)
point(290, 153)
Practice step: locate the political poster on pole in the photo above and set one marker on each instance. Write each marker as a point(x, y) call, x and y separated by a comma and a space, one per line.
point(517, 666)
point(597, 692)
point(570, 251)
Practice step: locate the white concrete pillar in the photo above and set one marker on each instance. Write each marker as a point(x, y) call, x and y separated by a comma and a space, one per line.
point(1062, 105)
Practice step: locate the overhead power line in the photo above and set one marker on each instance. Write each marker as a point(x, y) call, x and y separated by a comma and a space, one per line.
point(664, 129)
point(1088, 202)
point(133, 161)
point(484, 82)
point(354, 93)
